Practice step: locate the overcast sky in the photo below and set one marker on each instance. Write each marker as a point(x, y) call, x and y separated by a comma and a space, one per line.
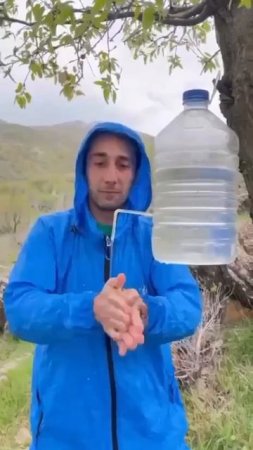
point(148, 97)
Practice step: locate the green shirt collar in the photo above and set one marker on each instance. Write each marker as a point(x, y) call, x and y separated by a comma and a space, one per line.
point(105, 228)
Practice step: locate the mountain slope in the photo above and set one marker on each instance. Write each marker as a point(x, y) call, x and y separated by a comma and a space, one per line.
point(31, 152)
point(41, 151)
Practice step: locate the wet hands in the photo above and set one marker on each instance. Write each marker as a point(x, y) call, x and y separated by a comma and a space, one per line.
point(122, 314)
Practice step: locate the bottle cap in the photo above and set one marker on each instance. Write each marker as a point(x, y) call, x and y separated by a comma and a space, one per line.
point(196, 95)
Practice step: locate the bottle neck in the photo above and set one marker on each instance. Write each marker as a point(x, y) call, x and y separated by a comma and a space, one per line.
point(196, 105)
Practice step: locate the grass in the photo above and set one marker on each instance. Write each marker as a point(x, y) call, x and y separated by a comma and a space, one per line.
point(15, 373)
point(14, 405)
point(221, 413)
point(15, 394)
point(11, 348)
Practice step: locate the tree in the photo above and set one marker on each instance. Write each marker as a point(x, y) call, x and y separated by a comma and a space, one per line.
point(149, 28)
point(11, 212)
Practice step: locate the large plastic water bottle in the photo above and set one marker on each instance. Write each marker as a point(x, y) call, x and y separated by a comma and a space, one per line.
point(195, 187)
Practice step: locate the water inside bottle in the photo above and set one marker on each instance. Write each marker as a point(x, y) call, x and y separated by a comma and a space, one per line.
point(195, 215)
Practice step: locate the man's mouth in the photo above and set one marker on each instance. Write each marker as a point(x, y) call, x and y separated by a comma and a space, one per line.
point(110, 192)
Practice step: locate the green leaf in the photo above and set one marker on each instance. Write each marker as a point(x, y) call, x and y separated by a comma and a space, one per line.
point(206, 26)
point(209, 62)
point(246, 3)
point(62, 77)
point(99, 5)
point(148, 17)
point(38, 11)
point(79, 92)
point(106, 92)
point(106, 88)
point(175, 61)
point(98, 19)
point(160, 5)
point(21, 101)
point(99, 83)
point(19, 88)
point(65, 13)
point(80, 30)
point(68, 91)
point(66, 40)
point(104, 62)
point(49, 20)
point(137, 12)
point(114, 96)
point(36, 69)
point(28, 97)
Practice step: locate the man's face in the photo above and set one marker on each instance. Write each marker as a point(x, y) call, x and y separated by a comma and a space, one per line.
point(111, 166)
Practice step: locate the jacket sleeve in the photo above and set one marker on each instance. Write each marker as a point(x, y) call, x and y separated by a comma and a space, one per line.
point(35, 312)
point(174, 312)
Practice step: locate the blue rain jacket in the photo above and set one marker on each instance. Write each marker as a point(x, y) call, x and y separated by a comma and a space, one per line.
point(84, 395)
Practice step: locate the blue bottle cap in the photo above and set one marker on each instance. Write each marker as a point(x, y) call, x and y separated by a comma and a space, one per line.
point(196, 95)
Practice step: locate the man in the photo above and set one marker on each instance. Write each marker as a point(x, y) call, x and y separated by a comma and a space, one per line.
point(86, 303)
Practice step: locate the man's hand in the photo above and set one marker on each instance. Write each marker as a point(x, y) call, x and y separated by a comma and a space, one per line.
point(134, 336)
point(111, 309)
point(122, 313)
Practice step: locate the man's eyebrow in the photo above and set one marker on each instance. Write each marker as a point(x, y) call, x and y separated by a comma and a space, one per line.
point(126, 158)
point(99, 154)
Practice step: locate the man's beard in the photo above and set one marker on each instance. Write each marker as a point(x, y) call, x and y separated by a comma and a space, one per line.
point(109, 208)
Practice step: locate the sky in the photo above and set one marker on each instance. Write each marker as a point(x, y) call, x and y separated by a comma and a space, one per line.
point(148, 98)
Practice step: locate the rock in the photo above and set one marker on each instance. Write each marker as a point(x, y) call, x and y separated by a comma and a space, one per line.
point(235, 312)
point(23, 437)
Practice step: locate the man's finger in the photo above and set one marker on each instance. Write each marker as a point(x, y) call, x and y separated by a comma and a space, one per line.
point(122, 348)
point(113, 334)
point(136, 319)
point(117, 301)
point(138, 337)
point(128, 340)
point(119, 325)
point(117, 282)
point(120, 281)
point(131, 296)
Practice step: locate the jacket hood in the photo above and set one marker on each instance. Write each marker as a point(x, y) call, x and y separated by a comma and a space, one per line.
point(140, 195)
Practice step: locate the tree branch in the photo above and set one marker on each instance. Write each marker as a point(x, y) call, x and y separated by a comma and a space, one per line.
point(187, 11)
point(191, 16)
point(184, 17)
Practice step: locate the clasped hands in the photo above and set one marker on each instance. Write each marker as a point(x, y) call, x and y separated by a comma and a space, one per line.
point(122, 314)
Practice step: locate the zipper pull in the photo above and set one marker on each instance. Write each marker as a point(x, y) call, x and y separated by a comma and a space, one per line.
point(108, 244)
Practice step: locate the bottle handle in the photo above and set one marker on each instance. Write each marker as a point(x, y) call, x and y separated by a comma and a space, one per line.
point(217, 79)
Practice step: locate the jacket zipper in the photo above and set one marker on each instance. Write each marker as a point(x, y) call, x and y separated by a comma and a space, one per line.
point(115, 445)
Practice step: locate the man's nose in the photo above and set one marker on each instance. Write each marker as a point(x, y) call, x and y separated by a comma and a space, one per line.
point(111, 174)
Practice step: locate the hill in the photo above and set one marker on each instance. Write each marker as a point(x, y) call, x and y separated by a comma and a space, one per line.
point(39, 152)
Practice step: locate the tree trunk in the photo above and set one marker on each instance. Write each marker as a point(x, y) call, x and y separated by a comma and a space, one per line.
point(234, 31)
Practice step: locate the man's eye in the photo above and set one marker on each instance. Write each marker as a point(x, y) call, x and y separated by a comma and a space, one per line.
point(99, 163)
